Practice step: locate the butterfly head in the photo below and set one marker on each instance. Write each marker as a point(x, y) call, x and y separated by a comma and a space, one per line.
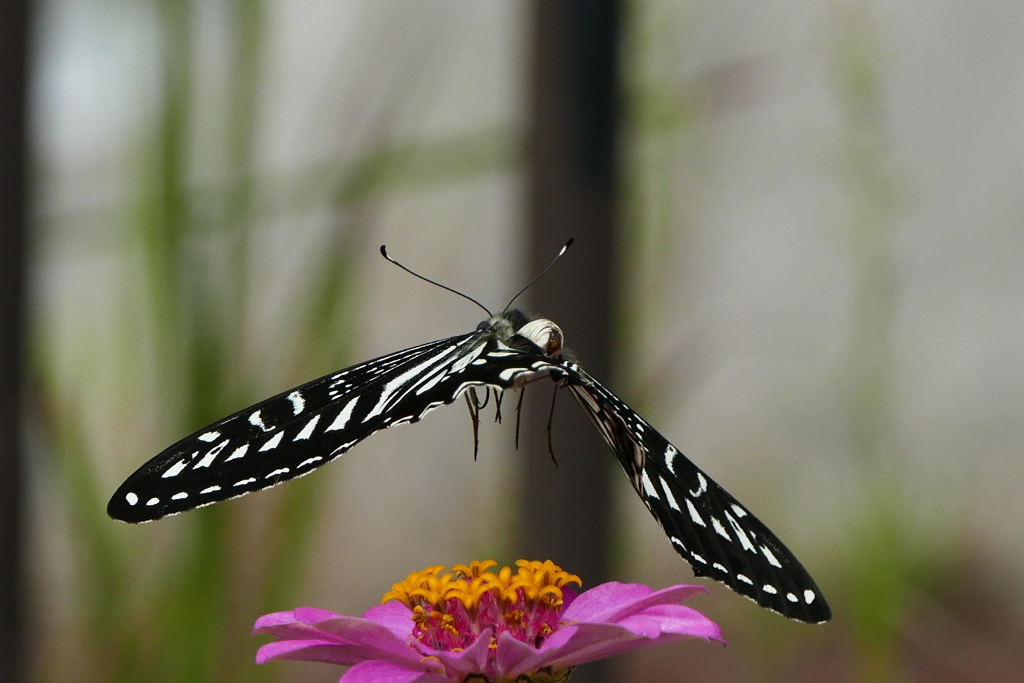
point(520, 331)
point(545, 334)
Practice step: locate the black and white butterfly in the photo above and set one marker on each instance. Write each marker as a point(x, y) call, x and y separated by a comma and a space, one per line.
point(297, 431)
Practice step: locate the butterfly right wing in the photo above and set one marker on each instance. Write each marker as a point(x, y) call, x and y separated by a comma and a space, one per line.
point(706, 525)
point(295, 432)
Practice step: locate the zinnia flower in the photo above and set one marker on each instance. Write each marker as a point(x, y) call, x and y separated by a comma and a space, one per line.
point(474, 625)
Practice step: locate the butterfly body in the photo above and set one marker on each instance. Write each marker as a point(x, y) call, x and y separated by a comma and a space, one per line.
point(297, 431)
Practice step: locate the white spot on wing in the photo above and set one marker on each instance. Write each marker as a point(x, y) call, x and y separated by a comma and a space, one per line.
point(245, 481)
point(744, 579)
point(808, 596)
point(744, 541)
point(460, 364)
point(342, 419)
point(770, 589)
point(307, 431)
point(210, 489)
point(207, 459)
point(508, 373)
point(719, 529)
point(670, 458)
point(720, 568)
point(131, 498)
point(791, 597)
point(343, 447)
point(457, 366)
point(668, 495)
point(740, 512)
point(393, 386)
point(772, 560)
point(649, 486)
point(273, 443)
point(702, 486)
point(238, 452)
point(430, 384)
point(209, 436)
point(698, 558)
point(298, 402)
point(282, 470)
point(309, 461)
point(181, 495)
point(175, 469)
point(694, 515)
point(256, 420)
point(152, 501)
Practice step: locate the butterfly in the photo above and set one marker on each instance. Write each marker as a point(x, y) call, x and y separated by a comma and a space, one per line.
point(299, 430)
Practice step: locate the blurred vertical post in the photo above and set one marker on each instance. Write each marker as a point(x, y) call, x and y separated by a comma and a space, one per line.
point(572, 189)
point(13, 218)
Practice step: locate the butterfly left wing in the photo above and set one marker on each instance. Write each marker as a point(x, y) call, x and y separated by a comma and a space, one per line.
point(297, 431)
point(707, 526)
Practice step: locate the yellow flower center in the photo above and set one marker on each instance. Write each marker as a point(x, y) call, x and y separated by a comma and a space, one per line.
point(450, 609)
point(535, 583)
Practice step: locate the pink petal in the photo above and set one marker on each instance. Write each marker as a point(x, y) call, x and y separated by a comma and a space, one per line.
point(298, 630)
point(612, 601)
point(515, 657)
point(386, 672)
point(566, 647)
point(393, 616)
point(285, 624)
point(577, 644)
point(337, 639)
point(309, 651)
point(312, 615)
point(657, 620)
point(642, 618)
point(590, 642)
point(471, 660)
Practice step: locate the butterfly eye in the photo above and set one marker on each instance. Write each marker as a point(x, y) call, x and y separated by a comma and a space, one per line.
point(545, 334)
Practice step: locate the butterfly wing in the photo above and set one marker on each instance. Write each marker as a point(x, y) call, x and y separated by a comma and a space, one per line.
point(708, 527)
point(295, 432)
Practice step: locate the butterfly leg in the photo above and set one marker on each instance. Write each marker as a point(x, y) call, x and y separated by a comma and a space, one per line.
point(498, 395)
point(474, 414)
point(519, 414)
point(551, 417)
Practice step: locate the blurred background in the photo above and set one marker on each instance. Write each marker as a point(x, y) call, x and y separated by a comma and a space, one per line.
point(799, 255)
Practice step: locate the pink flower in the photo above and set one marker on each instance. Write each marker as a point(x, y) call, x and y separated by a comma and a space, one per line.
point(472, 624)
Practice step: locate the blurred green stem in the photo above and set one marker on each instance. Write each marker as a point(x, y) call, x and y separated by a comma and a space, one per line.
point(882, 554)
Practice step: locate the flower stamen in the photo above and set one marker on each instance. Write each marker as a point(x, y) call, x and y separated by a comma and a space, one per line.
point(450, 609)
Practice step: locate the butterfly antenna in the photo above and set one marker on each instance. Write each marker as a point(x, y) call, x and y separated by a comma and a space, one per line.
point(561, 252)
point(384, 253)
